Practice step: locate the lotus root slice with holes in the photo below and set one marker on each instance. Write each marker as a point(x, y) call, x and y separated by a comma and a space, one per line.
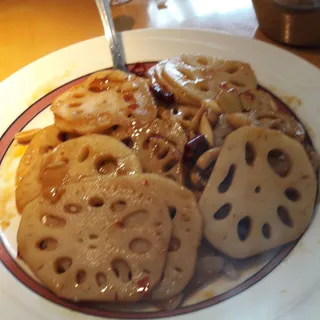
point(104, 240)
point(43, 142)
point(105, 99)
point(186, 234)
point(260, 195)
point(184, 115)
point(155, 73)
point(188, 81)
point(195, 78)
point(258, 100)
point(26, 177)
point(159, 146)
point(88, 156)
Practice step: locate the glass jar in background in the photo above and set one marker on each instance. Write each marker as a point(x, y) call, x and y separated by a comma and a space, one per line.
point(293, 22)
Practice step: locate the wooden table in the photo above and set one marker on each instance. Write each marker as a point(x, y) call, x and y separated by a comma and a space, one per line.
point(31, 29)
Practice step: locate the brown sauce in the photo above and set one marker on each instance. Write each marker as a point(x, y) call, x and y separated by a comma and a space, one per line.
point(53, 180)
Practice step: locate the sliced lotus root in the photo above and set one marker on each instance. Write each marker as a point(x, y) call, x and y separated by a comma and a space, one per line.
point(282, 122)
point(229, 101)
point(105, 99)
point(234, 75)
point(88, 156)
point(104, 240)
point(186, 234)
point(189, 79)
point(199, 78)
point(260, 195)
point(257, 100)
point(268, 120)
point(159, 146)
point(43, 142)
point(165, 89)
point(185, 116)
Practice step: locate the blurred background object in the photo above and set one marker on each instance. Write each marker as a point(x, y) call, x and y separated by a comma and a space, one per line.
point(34, 28)
point(117, 2)
point(293, 22)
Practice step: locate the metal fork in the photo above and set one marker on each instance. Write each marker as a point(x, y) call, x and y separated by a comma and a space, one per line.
point(112, 37)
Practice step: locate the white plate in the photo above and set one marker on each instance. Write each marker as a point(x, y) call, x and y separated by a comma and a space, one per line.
point(290, 291)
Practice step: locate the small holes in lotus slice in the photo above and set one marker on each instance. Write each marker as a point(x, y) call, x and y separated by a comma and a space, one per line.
point(250, 154)
point(79, 95)
point(292, 194)
point(65, 136)
point(162, 152)
point(146, 144)
point(96, 202)
point(159, 146)
point(279, 162)
point(106, 165)
point(244, 228)
point(266, 230)
point(172, 212)
point(128, 142)
point(101, 279)
point(121, 270)
point(74, 104)
point(227, 181)
point(178, 269)
point(135, 219)
point(284, 216)
point(113, 131)
point(83, 153)
point(223, 212)
point(52, 221)
point(72, 208)
point(203, 61)
point(62, 265)
point(237, 83)
point(232, 69)
point(99, 85)
point(118, 206)
point(81, 277)
point(140, 245)
point(257, 189)
point(47, 244)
